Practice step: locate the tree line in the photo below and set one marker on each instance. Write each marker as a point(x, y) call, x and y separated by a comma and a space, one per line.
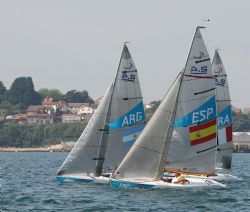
point(22, 94)
point(14, 135)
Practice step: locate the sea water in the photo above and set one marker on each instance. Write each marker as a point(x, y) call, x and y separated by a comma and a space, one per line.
point(27, 183)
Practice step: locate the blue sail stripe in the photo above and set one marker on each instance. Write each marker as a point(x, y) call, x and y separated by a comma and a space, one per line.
point(225, 117)
point(135, 115)
point(205, 112)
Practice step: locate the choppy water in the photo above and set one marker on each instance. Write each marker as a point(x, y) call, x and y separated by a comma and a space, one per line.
point(27, 184)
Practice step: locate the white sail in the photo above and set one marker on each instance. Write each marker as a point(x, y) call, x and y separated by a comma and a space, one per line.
point(84, 156)
point(192, 147)
point(127, 118)
point(224, 111)
point(113, 128)
point(145, 160)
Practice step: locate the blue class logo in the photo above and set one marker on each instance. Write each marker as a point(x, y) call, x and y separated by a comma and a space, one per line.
point(128, 77)
point(205, 112)
point(219, 81)
point(201, 70)
point(133, 116)
point(225, 117)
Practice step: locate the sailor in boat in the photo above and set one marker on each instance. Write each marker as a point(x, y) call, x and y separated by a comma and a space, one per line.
point(178, 179)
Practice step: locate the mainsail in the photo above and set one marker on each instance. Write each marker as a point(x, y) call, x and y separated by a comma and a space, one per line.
point(127, 118)
point(146, 159)
point(224, 111)
point(117, 122)
point(193, 143)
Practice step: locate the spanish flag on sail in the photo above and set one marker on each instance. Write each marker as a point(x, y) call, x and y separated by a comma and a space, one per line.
point(202, 133)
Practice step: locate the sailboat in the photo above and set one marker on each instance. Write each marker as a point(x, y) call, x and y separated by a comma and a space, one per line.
point(111, 131)
point(224, 121)
point(182, 131)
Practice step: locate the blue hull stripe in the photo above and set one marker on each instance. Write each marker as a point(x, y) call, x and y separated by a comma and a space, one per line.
point(125, 184)
point(63, 179)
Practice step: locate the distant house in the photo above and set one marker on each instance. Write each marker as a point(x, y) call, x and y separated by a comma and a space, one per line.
point(85, 110)
point(19, 118)
point(40, 119)
point(71, 118)
point(75, 108)
point(241, 141)
point(60, 105)
point(34, 109)
point(40, 109)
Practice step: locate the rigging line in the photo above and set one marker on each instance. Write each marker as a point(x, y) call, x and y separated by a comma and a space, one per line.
point(204, 60)
point(124, 72)
point(200, 77)
point(198, 152)
point(201, 92)
point(128, 98)
point(224, 149)
point(225, 100)
point(99, 158)
point(218, 75)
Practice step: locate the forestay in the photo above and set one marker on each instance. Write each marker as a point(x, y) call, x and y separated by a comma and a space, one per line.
point(145, 160)
point(193, 143)
point(224, 111)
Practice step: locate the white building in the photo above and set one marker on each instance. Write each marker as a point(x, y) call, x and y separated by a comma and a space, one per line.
point(241, 140)
point(71, 118)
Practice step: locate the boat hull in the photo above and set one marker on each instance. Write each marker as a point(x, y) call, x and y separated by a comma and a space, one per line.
point(160, 184)
point(82, 179)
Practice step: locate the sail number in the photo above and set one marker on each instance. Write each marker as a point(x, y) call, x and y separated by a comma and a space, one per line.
point(222, 121)
point(132, 119)
point(128, 77)
point(201, 70)
point(202, 115)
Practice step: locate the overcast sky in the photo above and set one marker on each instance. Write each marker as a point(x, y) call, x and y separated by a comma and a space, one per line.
point(77, 44)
